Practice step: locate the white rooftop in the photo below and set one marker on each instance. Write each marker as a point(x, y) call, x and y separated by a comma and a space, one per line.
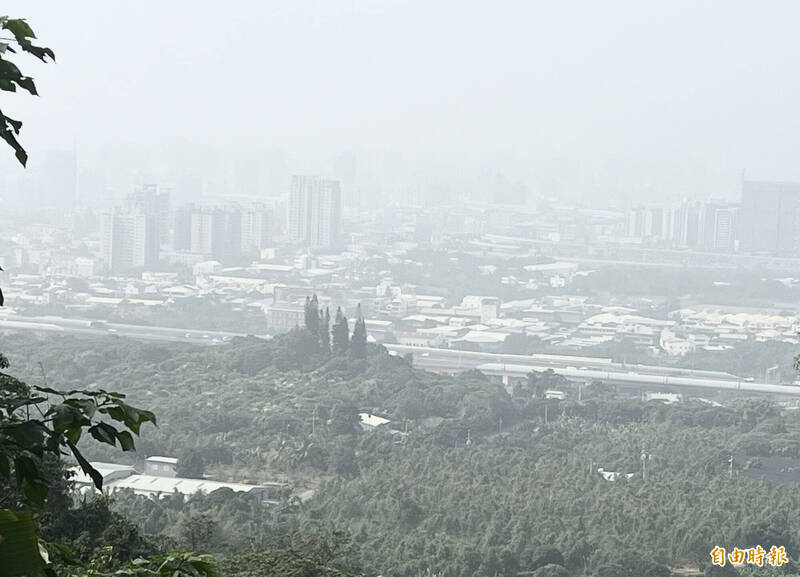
point(157, 459)
point(372, 420)
point(105, 470)
point(168, 485)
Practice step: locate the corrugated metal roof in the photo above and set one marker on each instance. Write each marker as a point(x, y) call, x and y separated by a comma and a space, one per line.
point(154, 484)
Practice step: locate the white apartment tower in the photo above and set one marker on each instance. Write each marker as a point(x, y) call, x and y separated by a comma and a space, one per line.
point(257, 225)
point(315, 208)
point(128, 240)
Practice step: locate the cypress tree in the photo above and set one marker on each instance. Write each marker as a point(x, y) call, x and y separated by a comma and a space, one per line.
point(358, 344)
point(325, 331)
point(340, 333)
point(307, 312)
point(312, 314)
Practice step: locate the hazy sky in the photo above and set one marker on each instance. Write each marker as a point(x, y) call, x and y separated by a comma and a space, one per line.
point(573, 97)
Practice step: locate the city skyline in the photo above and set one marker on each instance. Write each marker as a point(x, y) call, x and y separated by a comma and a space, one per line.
point(664, 117)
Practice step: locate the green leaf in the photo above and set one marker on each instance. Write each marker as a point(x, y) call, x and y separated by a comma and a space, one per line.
point(35, 491)
point(69, 421)
point(87, 406)
point(19, 28)
point(26, 434)
point(8, 128)
point(19, 548)
point(126, 441)
point(25, 470)
point(64, 416)
point(130, 416)
point(86, 467)
point(104, 433)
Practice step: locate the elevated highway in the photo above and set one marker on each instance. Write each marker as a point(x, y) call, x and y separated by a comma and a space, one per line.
point(587, 369)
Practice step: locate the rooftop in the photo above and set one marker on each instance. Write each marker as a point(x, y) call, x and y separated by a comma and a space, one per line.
point(154, 484)
point(157, 459)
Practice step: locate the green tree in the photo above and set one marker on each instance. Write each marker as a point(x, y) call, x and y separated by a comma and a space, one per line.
point(325, 331)
point(340, 333)
point(344, 420)
point(191, 465)
point(196, 530)
point(311, 311)
point(308, 555)
point(358, 343)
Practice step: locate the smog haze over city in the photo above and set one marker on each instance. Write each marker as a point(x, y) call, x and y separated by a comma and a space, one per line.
point(587, 100)
point(387, 288)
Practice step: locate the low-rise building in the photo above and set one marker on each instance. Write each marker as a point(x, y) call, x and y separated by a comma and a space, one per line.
point(161, 466)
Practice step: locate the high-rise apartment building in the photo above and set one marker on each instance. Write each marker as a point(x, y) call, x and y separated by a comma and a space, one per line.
point(726, 229)
point(770, 217)
point(153, 202)
point(257, 226)
point(650, 223)
point(216, 232)
point(687, 225)
point(182, 227)
point(314, 211)
point(128, 240)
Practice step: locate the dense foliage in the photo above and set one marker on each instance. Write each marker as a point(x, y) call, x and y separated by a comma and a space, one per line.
point(486, 482)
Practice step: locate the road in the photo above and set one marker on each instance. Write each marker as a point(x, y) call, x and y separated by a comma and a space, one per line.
point(438, 360)
point(449, 360)
point(95, 328)
point(585, 369)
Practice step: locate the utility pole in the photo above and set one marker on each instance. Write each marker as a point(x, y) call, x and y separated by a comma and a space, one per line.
point(545, 413)
point(730, 468)
point(469, 440)
point(314, 421)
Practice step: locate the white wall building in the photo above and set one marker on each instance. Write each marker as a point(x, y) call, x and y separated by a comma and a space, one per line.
point(315, 208)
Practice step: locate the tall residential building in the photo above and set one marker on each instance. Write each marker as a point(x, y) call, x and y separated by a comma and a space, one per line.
point(216, 232)
point(154, 202)
point(687, 225)
point(257, 226)
point(314, 211)
point(128, 240)
point(650, 223)
point(726, 229)
point(182, 227)
point(770, 217)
